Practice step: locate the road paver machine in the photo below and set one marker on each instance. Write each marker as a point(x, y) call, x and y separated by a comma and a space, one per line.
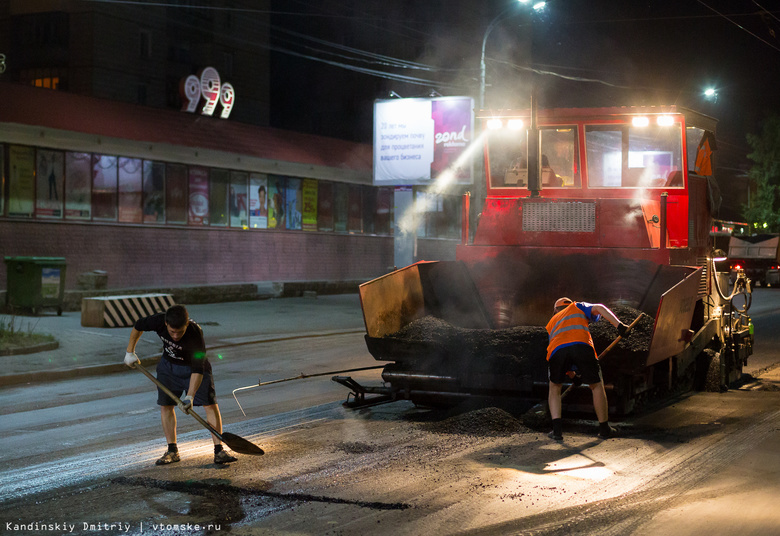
point(603, 205)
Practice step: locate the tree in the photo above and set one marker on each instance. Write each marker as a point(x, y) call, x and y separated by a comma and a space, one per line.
point(765, 174)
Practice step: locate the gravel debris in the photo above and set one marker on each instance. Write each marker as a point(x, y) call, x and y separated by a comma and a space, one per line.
point(483, 422)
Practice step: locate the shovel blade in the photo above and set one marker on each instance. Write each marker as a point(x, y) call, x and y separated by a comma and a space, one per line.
point(240, 445)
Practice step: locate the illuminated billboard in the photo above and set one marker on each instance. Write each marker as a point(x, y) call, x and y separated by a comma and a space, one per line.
point(417, 140)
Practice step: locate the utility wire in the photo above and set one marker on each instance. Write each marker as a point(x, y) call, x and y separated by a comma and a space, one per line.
point(739, 26)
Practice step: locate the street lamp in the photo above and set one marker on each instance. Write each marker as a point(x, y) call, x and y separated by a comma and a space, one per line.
point(537, 6)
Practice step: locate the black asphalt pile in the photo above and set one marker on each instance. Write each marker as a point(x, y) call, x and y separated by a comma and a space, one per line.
point(509, 350)
point(637, 344)
point(481, 422)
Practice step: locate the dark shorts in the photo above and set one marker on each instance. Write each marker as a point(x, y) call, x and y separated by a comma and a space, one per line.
point(580, 358)
point(177, 379)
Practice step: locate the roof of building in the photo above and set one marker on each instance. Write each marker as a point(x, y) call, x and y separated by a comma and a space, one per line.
point(32, 106)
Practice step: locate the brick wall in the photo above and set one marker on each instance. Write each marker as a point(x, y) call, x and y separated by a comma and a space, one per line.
point(136, 256)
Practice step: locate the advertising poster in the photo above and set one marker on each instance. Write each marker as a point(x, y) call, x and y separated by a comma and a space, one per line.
point(276, 191)
point(239, 213)
point(130, 190)
point(154, 192)
point(452, 134)
point(21, 185)
point(309, 205)
point(104, 187)
point(258, 201)
point(49, 182)
point(199, 196)
point(78, 205)
point(293, 204)
point(417, 140)
point(176, 193)
point(219, 181)
point(325, 206)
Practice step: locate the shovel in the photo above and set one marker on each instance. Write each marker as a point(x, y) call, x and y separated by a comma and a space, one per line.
point(236, 443)
point(541, 412)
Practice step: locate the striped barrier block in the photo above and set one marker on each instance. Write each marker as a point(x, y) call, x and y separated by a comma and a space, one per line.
point(121, 311)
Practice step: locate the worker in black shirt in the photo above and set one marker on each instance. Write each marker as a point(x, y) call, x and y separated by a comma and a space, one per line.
point(184, 368)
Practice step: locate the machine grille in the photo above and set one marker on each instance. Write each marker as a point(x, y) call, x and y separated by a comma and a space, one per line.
point(568, 217)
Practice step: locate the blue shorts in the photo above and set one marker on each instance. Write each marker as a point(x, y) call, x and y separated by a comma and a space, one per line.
point(581, 358)
point(177, 379)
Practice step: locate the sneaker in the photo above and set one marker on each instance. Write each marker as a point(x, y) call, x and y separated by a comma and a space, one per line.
point(223, 457)
point(556, 437)
point(168, 457)
point(606, 434)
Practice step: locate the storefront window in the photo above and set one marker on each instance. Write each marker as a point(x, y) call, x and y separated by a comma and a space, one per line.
point(276, 198)
point(78, 201)
point(340, 207)
point(199, 196)
point(218, 196)
point(154, 192)
point(239, 214)
point(130, 190)
point(294, 204)
point(21, 167)
point(325, 206)
point(176, 193)
point(104, 187)
point(309, 194)
point(50, 181)
point(258, 201)
point(355, 216)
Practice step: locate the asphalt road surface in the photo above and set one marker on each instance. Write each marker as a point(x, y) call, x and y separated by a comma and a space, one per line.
point(77, 457)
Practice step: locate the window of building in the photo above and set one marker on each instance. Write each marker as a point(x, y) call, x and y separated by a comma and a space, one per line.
point(239, 213)
point(154, 192)
point(78, 181)
point(176, 198)
point(104, 187)
point(258, 201)
point(130, 190)
point(21, 180)
point(294, 204)
point(276, 199)
point(219, 180)
point(340, 207)
point(198, 188)
point(50, 173)
point(309, 201)
point(325, 206)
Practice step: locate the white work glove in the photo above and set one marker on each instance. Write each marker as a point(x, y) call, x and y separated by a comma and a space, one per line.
point(186, 404)
point(131, 359)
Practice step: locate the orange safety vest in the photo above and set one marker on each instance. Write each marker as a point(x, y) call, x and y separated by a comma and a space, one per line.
point(569, 326)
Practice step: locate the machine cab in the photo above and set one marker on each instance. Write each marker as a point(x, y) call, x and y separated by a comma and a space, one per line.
point(603, 174)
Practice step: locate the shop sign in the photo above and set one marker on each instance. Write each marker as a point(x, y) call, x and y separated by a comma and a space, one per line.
point(202, 93)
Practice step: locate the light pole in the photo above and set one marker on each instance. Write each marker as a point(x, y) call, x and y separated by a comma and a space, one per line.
point(537, 6)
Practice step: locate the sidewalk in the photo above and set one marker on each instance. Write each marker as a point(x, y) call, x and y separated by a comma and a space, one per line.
point(91, 351)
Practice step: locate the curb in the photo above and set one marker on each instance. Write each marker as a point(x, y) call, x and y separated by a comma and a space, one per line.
point(34, 349)
point(111, 368)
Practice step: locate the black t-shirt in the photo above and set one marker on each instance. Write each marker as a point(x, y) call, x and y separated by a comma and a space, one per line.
point(190, 350)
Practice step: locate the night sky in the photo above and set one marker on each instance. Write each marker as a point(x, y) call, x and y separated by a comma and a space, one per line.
point(577, 52)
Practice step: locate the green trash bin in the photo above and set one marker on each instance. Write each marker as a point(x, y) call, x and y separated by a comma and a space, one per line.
point(35, 283)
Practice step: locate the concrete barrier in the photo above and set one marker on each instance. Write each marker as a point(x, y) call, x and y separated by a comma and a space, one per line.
point(121, 311)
